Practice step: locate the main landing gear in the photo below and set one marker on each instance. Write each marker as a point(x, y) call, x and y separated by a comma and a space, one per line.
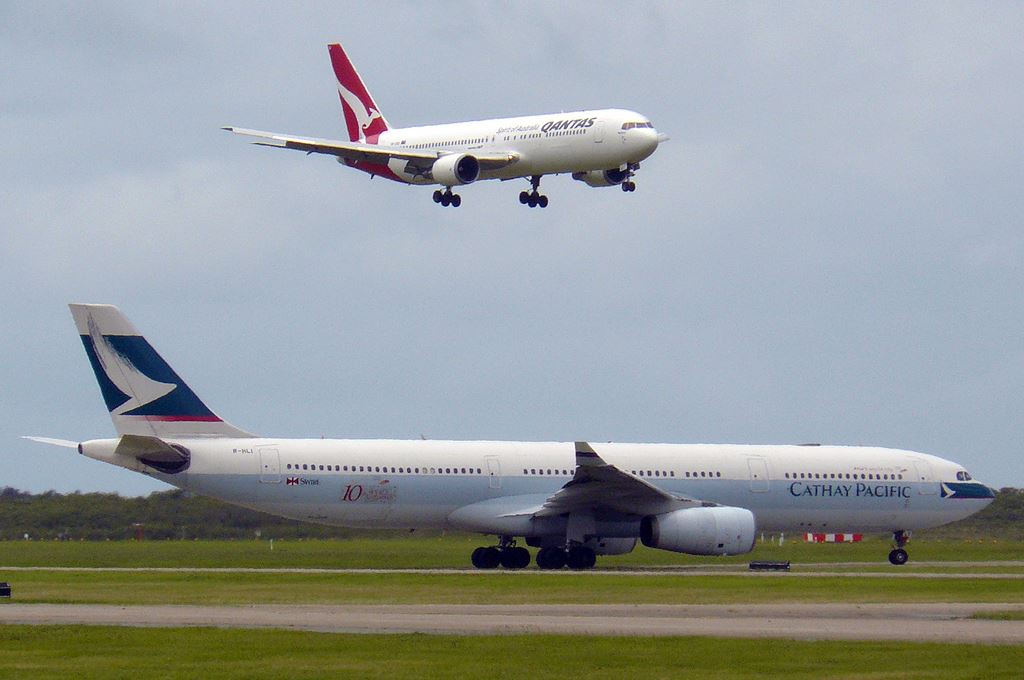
point(505, 554)
point(447, 198)
point(509, 556)
point(533, 198)
point(577, 558)
point(898, 555)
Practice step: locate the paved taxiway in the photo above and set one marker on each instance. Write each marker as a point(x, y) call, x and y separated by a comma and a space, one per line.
point(930, 622)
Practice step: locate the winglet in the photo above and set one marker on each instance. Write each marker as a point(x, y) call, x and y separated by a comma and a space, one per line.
point(587, 456)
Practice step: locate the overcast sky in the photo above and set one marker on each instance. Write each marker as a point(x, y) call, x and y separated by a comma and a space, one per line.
point(829, 249)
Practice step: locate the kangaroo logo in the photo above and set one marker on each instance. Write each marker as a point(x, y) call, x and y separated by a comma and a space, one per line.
point(139, 387)
point(364, 114)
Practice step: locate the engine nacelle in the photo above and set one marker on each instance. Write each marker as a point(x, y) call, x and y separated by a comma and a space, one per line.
point(455, 168)
point(602, 178)
point(700, 531)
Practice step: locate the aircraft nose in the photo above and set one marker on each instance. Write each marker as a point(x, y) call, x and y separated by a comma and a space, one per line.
point(648, 140)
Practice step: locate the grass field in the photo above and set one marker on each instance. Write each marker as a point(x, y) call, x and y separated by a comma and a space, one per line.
point(881, 582)
point(103, 652)
point(498, 588)
point(424, 552)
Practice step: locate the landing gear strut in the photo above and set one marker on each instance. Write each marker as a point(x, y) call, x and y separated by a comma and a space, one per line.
point(447, 198)
point(898, 555)
point(628, 185)
point(533, 198)
point(505, 554)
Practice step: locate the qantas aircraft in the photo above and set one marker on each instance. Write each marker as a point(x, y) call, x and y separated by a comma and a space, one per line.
point(601, 148)
point(572, 501)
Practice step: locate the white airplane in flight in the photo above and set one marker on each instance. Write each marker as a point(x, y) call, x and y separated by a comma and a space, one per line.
point(573, 501)
point(601, 148)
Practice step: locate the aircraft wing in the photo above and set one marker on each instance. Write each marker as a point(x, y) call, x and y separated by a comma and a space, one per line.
point(367, 153)
point(596, 485)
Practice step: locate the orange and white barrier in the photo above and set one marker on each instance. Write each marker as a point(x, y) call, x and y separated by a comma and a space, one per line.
point(833, 538)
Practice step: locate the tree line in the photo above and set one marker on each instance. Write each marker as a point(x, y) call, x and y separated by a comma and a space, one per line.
point(178, 514)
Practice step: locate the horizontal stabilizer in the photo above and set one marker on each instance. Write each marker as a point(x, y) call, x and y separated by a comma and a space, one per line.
point(155, 452)
point(148, 448)
point(66, 443)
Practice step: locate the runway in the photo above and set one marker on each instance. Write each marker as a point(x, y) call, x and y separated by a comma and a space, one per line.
point(932, 622)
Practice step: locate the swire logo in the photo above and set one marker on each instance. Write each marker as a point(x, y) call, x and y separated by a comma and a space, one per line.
point(292, 481)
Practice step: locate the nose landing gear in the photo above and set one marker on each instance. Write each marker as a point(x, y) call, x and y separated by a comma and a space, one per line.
point(898, 556)
point(533, 198)
point(447, 198)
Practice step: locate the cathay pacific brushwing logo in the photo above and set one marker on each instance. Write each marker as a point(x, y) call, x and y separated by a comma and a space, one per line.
point(139, 387)
point(364, 114)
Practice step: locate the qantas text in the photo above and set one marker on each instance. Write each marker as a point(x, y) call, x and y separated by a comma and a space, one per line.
point(553, 125)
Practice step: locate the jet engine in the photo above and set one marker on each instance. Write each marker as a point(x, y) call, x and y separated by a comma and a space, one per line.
point(455, 168)
point(602, 178)
point(700, 531)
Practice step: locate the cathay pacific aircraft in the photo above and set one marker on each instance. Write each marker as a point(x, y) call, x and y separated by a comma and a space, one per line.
point(572, 501)
point(600, 148)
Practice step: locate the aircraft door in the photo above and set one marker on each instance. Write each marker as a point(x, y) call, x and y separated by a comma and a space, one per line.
point(493, 472)
point(270, 466)
point(598, 132)
point(924, 477)
point(758, 474)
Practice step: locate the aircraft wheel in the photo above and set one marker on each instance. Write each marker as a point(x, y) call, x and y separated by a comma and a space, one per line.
point(898, 557)
point(532, 201)
point(580, 557)
point(437, 196)
point(542, 201)
point(515, 558)
point(524, 197)
point(456, 200)
point(446, 199)
point(550, 558)
point(486, 558)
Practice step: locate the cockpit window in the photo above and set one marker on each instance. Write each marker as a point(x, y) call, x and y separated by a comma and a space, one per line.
point(963, 476)
point(631, 125)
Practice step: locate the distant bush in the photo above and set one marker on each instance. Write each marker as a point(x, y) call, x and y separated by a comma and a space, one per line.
point(162, 515)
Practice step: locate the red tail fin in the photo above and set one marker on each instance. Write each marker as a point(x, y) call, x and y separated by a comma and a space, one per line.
point(362, 117)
